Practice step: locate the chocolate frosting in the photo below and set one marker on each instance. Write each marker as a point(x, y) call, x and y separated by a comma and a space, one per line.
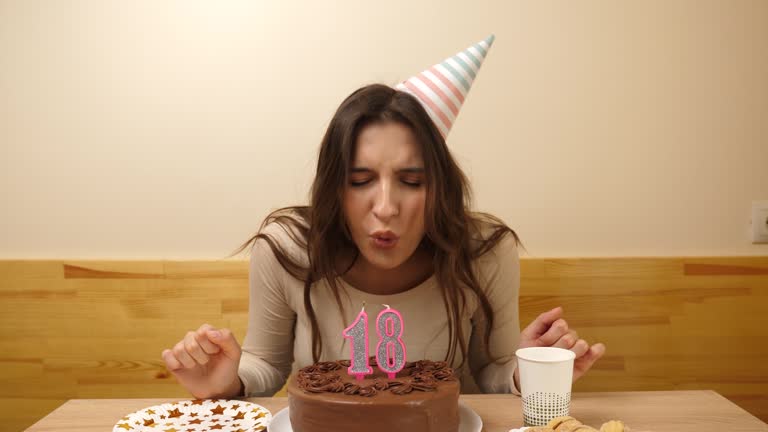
point(326, 377)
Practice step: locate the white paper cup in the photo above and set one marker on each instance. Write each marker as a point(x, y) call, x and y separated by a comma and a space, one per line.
point(546, 375)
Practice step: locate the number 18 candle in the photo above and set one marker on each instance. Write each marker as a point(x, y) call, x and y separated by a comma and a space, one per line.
point(390, 351)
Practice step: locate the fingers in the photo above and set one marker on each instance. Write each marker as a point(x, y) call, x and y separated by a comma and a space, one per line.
point(550, 330)
point(171, 362)
point(225, 340)
point(594, 353)
point(195, 349)
point(583, 363)
point(182, 356)
point(567, 340)
point(202, 338)
point(580, 348)
point(554, 333)
point(570, 341)
point(542, 324)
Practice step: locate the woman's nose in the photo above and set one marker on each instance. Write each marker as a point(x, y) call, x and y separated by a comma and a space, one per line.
point(385, 205)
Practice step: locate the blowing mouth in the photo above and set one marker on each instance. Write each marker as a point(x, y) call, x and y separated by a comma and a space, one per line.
point(384, 235)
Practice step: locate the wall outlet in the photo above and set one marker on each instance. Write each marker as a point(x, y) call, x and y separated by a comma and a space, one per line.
point(759, 221)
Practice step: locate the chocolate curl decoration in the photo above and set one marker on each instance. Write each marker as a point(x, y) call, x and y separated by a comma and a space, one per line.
point(367, 391)
point(403, 389)
point(423, 376)
point(444, 374)
point(351, 389)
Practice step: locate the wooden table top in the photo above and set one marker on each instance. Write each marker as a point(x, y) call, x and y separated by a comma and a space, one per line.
point(662, 411)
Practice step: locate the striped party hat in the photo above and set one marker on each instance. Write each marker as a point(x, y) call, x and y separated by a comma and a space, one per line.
point(442, 88)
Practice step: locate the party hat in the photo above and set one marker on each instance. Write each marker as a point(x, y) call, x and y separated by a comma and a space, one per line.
point(442, 88)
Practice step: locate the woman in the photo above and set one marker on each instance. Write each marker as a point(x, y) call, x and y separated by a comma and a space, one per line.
point(388, 222)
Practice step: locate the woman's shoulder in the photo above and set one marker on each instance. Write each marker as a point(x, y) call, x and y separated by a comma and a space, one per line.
point(493, 243)
point(488, 231)
point(284, 231)
point(285, 222)
point(496, 263)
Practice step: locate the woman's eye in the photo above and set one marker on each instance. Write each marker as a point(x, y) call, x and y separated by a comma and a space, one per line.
point(356, 183)
point(412, 183)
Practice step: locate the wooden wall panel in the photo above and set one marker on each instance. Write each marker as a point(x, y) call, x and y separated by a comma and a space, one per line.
point(95, 329)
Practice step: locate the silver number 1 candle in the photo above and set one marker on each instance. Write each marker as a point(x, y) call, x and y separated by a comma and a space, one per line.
point(357, 334)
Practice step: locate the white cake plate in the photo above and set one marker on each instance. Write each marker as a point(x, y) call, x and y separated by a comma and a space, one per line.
point(469, 421)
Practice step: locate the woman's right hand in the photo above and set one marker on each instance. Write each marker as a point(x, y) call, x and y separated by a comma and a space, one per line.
point(205, 362)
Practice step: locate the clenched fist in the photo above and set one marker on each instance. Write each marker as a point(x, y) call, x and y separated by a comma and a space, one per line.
point(205, 362)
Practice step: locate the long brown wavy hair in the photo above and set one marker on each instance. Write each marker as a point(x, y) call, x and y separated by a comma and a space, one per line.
point(452, 230)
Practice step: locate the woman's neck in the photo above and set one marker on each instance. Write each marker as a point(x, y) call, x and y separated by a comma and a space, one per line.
point(373, 280)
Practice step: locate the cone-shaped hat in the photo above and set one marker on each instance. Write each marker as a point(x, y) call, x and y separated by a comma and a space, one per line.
point(442, 88)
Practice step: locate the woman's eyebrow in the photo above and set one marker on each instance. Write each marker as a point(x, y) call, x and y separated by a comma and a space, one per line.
point(360, 170)
point(409, 170)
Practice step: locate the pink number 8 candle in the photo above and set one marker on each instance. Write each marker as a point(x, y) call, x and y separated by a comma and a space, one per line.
point(390, 352)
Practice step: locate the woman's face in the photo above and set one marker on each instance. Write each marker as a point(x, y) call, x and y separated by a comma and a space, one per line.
point(385, 195)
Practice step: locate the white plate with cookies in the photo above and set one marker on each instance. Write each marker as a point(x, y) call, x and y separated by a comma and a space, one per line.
point(570, 424)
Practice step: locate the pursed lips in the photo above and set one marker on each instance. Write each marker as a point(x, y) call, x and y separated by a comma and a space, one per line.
point(384, 235)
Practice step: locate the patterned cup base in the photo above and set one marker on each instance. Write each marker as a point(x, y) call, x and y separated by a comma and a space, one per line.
point(539, 408)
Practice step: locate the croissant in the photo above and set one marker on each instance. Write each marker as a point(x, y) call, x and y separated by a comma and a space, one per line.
point(557, 421)
point(570, 424)
point(614, 426)
point(584, 428)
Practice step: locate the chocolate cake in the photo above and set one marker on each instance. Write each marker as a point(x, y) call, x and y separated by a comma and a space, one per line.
point(423, 397)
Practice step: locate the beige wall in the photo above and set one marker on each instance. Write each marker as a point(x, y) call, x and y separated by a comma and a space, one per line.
point(168, 129)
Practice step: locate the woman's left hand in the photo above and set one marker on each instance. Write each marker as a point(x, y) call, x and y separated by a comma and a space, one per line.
point(551, 330)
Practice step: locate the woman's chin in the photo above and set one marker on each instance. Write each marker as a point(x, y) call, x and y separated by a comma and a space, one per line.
point(383, 262)
point(386, 265)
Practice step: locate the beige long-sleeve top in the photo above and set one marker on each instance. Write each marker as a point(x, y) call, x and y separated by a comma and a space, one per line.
point(279, 339)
